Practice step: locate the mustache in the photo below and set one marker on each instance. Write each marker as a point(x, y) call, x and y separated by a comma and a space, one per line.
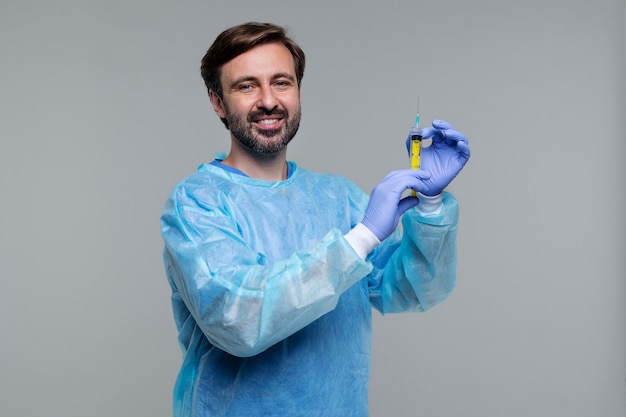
point(261, 113)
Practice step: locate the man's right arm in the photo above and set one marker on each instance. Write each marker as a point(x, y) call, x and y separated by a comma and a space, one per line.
point(241, 305)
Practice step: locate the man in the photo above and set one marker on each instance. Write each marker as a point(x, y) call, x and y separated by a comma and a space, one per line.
point(274, 269)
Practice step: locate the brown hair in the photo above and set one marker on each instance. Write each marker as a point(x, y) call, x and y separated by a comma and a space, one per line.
point(239, 39)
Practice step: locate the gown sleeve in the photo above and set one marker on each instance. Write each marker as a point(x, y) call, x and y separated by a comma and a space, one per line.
point(416, 270)
point(242, 305)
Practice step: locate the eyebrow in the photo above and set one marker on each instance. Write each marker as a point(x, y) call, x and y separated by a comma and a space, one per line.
point(286, 75)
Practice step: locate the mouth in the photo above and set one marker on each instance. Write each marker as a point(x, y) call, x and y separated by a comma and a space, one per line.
point(267, 120)
point(269, 123)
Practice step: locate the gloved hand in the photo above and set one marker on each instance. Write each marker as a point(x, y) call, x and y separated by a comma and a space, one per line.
point(444, 158)
point(386, 204)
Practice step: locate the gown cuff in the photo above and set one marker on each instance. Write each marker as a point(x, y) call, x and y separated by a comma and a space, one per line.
point(429, 205)
point(362, 240)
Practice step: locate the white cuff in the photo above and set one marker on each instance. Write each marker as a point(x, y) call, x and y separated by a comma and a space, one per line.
point(429, 205)
point(362, 240)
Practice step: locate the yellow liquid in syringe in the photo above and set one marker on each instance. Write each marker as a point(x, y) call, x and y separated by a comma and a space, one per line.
point(416, 146)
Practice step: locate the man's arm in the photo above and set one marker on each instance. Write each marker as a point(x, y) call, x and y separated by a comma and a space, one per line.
point(416, 271)
point(242, 306)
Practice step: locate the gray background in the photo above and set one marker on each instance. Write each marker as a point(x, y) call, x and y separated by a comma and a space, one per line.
point(102, 110)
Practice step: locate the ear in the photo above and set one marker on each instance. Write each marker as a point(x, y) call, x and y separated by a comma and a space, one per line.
point(218, 104)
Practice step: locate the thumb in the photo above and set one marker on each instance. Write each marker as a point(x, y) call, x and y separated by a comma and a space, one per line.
point(406, 203)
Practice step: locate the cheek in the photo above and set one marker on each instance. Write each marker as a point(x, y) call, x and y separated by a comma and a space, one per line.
point(293, 104)
point(238, 108)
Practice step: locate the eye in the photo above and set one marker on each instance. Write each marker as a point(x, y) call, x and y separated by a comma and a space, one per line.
point(282, 84)
point(245, 88)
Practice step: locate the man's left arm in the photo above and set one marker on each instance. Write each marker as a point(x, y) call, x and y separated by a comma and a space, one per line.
point(417, 270)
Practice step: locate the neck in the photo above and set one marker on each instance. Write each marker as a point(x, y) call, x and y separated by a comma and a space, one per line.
point(260, 166)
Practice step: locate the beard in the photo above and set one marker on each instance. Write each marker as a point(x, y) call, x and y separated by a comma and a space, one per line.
point(263, 141)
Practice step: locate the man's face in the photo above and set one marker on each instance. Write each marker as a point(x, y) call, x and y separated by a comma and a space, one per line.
point(261, 98)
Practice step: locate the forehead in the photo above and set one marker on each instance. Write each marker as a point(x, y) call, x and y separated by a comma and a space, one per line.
point(263, 61)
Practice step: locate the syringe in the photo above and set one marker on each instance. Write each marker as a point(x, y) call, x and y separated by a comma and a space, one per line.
point(416, 143)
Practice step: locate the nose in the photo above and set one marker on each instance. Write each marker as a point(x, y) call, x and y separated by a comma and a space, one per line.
point(267, 99)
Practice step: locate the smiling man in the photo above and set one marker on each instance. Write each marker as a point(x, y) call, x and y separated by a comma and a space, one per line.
point(275, 269)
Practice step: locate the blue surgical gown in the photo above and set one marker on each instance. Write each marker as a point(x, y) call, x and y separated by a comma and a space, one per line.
point(273, 305)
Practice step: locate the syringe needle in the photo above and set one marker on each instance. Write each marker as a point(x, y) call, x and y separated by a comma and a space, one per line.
point(417, 113)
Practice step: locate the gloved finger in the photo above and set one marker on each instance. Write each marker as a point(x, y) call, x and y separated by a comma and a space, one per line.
point(438, 131)
point(442, 125)
point(398, 181)
point(431, 132)
point(407, 203)
point(417, 182)
point(409, 178)
point(452, 137)
point(463, 149)
point(449, 137)
point(404, 174)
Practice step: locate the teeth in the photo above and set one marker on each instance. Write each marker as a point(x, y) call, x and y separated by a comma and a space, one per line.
point(268, 121)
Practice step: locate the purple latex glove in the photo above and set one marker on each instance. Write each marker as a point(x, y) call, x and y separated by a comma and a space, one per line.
point(444, 158)
point(386, 204)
